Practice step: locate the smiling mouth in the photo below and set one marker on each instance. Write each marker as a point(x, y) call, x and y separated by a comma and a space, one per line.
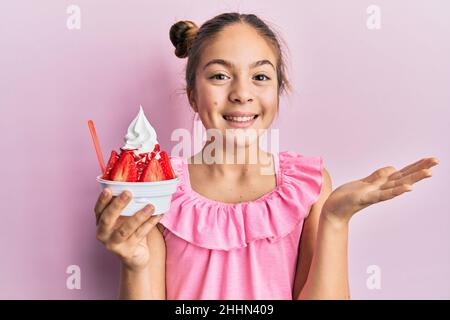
point(240, 119)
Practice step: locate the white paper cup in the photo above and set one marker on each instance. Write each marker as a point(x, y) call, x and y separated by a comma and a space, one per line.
point(158, 193)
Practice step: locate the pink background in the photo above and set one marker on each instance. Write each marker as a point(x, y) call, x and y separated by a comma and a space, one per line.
point(364, 99)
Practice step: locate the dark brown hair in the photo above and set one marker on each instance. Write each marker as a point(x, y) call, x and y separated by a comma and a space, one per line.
point(189, 40)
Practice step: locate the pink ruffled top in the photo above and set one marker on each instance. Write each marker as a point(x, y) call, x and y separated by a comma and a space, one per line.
point(247, 250)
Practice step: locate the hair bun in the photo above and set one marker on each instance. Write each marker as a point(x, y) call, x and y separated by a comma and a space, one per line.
point(182, 34)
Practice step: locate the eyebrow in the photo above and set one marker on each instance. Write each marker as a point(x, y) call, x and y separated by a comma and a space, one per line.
point(230, 65)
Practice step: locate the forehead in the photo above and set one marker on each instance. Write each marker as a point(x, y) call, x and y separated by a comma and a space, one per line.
point(240, 44)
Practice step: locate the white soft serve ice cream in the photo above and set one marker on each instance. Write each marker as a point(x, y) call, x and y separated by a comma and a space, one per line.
point(140, 135)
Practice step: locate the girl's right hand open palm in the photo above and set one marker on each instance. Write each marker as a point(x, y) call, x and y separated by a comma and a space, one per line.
point(124, 236)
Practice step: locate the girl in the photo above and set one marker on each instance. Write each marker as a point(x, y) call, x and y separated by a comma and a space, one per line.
point(233, 232)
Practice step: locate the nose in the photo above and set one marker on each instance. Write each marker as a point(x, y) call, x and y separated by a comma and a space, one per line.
point(241, 92)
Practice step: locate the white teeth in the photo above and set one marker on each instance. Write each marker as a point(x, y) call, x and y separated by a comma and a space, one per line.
point(239, 119)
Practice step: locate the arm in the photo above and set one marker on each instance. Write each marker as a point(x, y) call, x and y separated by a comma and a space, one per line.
point(148, 283)
point(322, 264)
point(328, 277)
point(135, 240)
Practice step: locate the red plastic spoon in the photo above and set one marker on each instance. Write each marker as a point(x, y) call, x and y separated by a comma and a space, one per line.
point(96, 145)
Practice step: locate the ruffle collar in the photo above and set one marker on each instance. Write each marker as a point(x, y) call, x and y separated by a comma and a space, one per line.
point(224, 226)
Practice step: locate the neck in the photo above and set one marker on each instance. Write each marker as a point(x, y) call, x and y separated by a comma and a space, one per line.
point(233, 161)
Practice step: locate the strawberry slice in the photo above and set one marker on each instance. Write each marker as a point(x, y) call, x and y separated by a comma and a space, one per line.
point(141, 164)
point(125, 169)
point(152, 172)
point(166, 165)
point(112, 161)
point(156, 148)
point(130, 151)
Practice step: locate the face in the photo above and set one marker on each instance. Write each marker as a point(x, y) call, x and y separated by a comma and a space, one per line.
point(237, 76)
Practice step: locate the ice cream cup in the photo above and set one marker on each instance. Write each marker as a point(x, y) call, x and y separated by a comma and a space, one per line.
point(158, 193)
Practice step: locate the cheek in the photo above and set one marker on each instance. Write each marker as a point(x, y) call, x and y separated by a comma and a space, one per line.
point(209, 106)
point(209, 98)
point(270, 103)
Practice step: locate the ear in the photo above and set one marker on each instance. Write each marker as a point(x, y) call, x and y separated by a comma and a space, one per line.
point(192, 101)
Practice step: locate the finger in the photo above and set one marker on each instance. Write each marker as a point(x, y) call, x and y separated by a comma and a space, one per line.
point(423, 163)
point(403, 171)
point(144, 229)
point(394, 192)
point(123, 232)
point(379, 174)
point(112, 212)
point(383, 195)
point(409, 179)
point(102, 202)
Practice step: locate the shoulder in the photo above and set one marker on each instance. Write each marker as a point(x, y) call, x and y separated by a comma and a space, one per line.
point(304, 172)
point(327, 182)
point(327, 187)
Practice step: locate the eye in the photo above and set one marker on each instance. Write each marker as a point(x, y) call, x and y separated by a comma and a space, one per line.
point(263, 75)
point(217, 75)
